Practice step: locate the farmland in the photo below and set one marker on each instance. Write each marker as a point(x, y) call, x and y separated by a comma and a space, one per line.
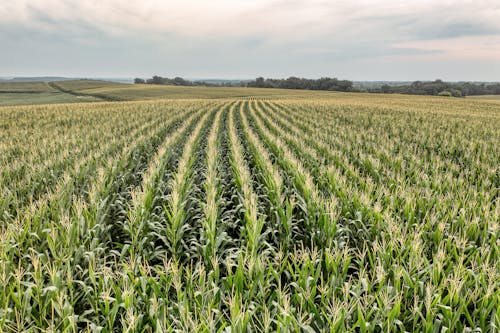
point(29, 93)
point(122, 92)
point(239, 209)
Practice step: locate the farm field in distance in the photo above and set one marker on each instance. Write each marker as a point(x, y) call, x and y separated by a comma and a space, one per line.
point(244, 209)
point(29, 93)
point(495, 98)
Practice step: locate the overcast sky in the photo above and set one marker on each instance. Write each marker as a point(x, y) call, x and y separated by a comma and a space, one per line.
point(357, 39)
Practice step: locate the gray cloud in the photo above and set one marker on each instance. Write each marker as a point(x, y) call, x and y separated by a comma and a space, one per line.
point(458, 29)
point(350, 39)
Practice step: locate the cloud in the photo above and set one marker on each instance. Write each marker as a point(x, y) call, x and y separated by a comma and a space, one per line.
point(478, 48)
point(226, 36)
point(225, 18)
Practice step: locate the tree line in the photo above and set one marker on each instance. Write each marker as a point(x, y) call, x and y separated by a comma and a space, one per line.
point(324, 83)
point(179, 81)
point(440, 88)
point(436, 88)
point(176, 81)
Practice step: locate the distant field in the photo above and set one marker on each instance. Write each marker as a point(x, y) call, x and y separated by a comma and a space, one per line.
point(121, 91)
point(267, 210)
point(495, 98)
point(139, 92)
point(25, 87)
point(81, 85)
point(30, 93)
point(94, 90)
point(42, 98)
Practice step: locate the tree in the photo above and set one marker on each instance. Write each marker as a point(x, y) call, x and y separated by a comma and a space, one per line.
point(259, 82)
point(445, 93)
point(139, 81)
point(293, 82)
point(156, 80)
point(456, 92)
point(385, 88)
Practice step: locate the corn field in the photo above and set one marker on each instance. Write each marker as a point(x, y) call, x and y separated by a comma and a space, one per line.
point(250, 215)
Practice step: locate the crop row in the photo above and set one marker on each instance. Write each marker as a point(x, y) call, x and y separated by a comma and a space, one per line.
point(239, 215)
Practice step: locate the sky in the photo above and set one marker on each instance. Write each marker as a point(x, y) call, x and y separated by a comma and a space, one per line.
point(231, 39)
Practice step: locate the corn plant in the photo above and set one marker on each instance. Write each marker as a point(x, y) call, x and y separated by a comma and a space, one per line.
point(251, 211)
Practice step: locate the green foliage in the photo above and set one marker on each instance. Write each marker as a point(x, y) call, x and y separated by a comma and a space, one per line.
point(25, 87)
point(324, 83)
point(8, 99)
point(293, 212)
point(440, 88)
point(445, 93)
